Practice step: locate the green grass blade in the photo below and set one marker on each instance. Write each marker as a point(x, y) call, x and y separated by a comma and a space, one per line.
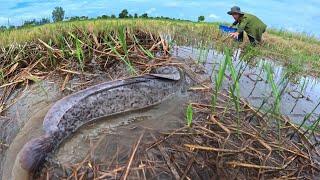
point(189, 115)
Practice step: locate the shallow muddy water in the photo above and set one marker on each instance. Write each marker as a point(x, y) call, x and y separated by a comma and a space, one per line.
point(298, 99)
point(26, 123)
point(106, 134)
point(121, 130)
point(24, 117)
point(102, 139)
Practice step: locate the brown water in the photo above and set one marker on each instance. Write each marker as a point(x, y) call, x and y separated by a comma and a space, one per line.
point(26, 123)
point(28, 110)
point(121, 130)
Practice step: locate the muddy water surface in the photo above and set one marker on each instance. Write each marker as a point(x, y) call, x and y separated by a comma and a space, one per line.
point(26, 123)
point(121, 130)
point(105, 134)
point(299, 98)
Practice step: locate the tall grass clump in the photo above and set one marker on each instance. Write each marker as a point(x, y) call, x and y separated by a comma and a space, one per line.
point(123, 43)
point(78, 51)
point(203, 52)
point(292, 49)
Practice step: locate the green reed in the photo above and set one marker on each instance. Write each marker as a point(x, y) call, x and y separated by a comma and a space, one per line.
point(274, 87)
point(79, 52)
point(123, 59)
point(235, 88)
point(189, 115)
point(80, 55)
point(122, 36)
point(145, 51)
point(122, 40)
point(53, 61)
point(307, 117)
point(1, 76)
point(315, 126)
point(276, 94)
point(219, 77)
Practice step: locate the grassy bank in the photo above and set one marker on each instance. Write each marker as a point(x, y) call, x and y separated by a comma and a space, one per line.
point(299, 52)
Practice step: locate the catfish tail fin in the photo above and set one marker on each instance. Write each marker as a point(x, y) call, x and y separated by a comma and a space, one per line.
point(34, 152)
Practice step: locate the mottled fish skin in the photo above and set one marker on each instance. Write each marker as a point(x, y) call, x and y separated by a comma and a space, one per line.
point(130, 94)
point(102, 100)
point(54, 115)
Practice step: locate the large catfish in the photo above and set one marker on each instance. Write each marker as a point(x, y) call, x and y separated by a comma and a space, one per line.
point(102, 100)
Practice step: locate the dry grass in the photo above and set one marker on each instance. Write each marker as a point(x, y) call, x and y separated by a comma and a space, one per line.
point(301, 53)
point(212, 148)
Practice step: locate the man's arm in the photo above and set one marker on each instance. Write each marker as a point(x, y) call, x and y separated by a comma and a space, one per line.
point(242, 25)
point(240, 29)
point(234, 23)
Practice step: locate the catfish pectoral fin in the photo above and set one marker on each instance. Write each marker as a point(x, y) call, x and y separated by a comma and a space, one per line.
point(34, 152)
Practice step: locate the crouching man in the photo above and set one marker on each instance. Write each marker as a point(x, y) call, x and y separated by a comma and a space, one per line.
point(249, 23)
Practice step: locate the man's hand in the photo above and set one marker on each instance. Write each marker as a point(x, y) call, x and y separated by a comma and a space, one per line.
point(234, 35)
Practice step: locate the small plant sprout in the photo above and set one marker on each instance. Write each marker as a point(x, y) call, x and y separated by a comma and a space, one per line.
point(189, 115)
point(80, 55)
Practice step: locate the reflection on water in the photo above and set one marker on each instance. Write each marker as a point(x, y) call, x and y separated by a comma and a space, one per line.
point(298, 99)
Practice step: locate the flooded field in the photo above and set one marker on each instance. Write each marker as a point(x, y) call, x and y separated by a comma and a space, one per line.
point(299, 98)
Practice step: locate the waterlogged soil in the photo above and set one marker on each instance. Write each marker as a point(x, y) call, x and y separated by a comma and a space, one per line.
point(23, 120)
point(122, 131)
point(299, 98)
point(26, 116)
point(102, 139)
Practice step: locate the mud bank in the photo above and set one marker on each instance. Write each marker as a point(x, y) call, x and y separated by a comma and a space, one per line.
point(23, 120)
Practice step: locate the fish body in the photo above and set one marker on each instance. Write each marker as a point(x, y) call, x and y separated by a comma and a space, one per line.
point(102, 100)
